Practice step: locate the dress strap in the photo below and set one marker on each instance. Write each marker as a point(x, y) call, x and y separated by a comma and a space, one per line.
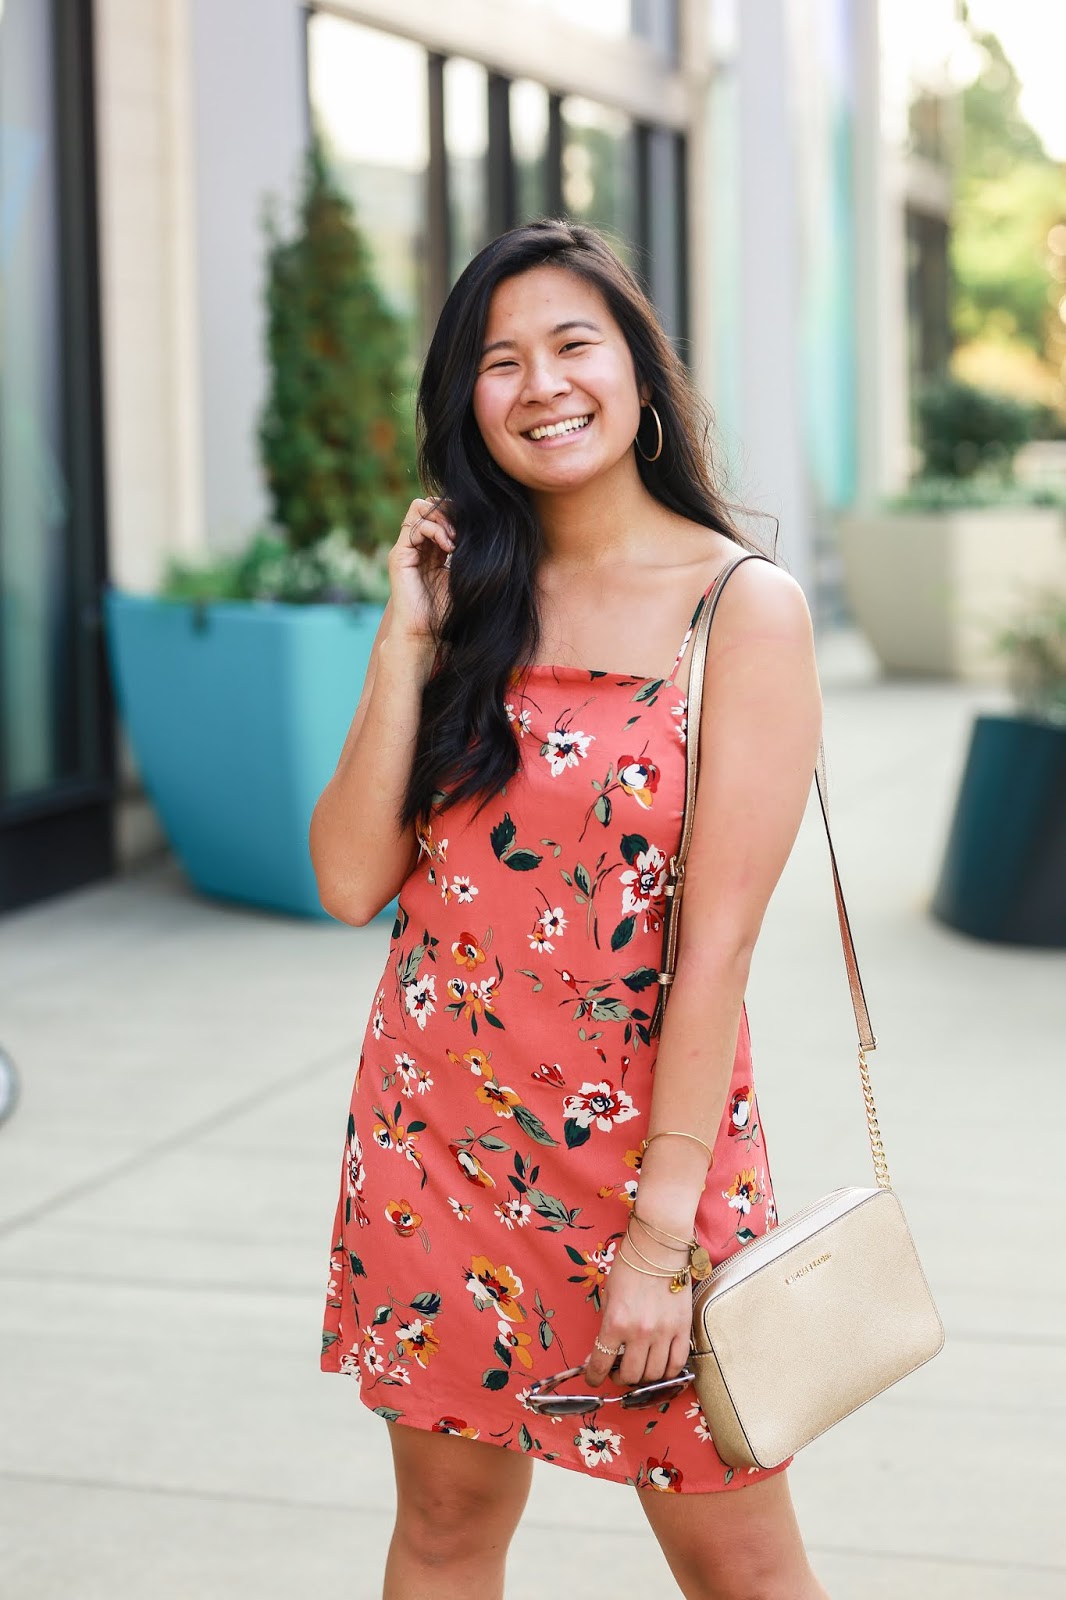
point(671, 676)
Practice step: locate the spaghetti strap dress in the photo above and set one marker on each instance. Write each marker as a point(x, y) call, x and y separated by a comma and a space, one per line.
point(503, 1089)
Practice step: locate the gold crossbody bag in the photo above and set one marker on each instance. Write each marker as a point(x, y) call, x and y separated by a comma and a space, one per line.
point(802, 1326)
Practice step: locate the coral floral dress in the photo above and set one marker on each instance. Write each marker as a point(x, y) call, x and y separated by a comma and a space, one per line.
point(503, 1090)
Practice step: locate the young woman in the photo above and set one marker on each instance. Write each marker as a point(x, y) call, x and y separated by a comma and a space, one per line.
point(515, 772)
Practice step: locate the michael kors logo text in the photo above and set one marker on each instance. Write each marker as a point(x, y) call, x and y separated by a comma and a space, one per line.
point(802, 1272)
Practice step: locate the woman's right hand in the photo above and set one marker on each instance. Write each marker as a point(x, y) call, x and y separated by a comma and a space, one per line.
point(417, 574)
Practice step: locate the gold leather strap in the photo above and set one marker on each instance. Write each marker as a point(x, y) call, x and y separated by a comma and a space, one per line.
point(675, 882)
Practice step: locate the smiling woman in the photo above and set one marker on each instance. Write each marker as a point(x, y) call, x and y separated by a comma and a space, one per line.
point(516, 1108)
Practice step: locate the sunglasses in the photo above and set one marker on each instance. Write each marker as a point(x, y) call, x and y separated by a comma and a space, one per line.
point(546, 1403)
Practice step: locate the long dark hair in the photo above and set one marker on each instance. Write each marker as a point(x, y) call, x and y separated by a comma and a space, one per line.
point(465, 745)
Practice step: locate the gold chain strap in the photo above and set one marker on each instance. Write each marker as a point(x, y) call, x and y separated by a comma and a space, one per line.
point(877, 1149)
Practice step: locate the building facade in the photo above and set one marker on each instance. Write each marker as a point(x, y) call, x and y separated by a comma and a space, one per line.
point(738, 151)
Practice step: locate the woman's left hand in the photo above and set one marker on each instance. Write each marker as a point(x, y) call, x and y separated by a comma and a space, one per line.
point(654, 1325)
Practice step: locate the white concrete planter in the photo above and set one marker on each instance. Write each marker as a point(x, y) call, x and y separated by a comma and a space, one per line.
point(930, 590)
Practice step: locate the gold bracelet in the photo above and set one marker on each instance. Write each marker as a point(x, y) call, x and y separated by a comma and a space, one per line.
point(698, 1259)
point(676, 1133)
point(678, 1280)
point(632, 1243)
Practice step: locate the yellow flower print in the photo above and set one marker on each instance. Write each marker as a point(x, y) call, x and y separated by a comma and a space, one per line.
point(478, 1061)
point(517, 1343)
point(638, 778)
point(418, 1339)
point(404, 1218)
point(743, 1192)
point(498, 1287)
point(499, 1097)
point(467, 952)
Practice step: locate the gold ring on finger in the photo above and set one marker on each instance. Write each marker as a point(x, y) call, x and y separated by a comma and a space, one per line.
point(606, 1349)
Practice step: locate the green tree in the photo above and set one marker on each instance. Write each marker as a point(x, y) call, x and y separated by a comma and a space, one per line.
point(1010, 194)
point(336, 434)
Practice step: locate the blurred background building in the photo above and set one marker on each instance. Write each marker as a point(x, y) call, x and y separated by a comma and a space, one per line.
point(779, 172)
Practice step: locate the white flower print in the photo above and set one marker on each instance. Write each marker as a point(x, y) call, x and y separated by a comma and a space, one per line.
point(553, 922)
point(355, 1171)
point(420, 998)
point(399, 1374)
point(462, 1212)
point(564, 748)
point(377, 1021)
point(425, 1082)
point(350, 1365)
point(645, 880)
point(407, 1072)
point(513, 1213)
point(523, 718)
point(600, 1103)
point(701, 1430)
point(374, 1361)
point(463, 890)
point(598, 1446)
point(539, 941)
point(680, 711)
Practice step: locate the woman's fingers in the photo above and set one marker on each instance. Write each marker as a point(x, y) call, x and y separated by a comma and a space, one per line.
point(680, 1352)
point(602, 1357)
point(426, 520)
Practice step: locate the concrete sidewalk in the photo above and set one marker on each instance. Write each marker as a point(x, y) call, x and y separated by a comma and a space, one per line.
point(167, 1188)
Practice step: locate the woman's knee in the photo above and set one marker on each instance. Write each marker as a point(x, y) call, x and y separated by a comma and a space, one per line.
point(461, 1504)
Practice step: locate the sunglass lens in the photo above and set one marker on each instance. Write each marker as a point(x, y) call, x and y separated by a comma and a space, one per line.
point(564, 1405)
point(655, 1393)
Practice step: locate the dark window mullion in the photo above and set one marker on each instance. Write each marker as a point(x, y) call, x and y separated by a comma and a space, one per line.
point(438, 218)
point(555, 156)
point(501, 184)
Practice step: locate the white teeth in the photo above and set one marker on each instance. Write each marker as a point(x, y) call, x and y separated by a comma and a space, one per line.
point(571, 425)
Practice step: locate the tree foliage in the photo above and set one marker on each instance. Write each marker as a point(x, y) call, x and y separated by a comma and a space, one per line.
point(336, 434)
point(1010, 195)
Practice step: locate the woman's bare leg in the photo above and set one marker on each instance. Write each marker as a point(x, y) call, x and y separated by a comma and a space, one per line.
point(458, 1503)
point(739, 1544)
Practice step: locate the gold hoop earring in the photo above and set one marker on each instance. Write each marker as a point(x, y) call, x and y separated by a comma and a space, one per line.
point(659, 431)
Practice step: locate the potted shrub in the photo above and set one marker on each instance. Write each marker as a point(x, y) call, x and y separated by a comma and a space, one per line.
point(236, 684)
point(932, 575)
point(1004, 871)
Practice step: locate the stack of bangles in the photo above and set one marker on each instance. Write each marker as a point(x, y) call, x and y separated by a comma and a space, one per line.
point(697, 1264)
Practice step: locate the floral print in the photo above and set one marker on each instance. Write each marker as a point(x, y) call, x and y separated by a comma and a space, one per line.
point(493, 1146)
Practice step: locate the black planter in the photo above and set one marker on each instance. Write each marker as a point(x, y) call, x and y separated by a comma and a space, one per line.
point(1004, 870)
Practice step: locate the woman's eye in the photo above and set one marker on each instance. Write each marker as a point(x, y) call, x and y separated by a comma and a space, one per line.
point(576, 344)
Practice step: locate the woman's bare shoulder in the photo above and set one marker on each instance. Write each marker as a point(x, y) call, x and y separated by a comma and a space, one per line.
point(762, 598)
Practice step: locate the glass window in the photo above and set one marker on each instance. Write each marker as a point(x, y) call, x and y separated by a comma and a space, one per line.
point(369, 100)
point(665, 244)
point(41, 740)
point(466, 147)
point(600, 170)
point(530, 118)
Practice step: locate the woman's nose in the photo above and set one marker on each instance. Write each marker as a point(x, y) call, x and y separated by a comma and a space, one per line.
point(544, 381)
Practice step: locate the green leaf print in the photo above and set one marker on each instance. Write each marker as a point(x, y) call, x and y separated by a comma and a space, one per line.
point(358, 1270)
point(609, 1010)
point(602, 810)
point(382, 1314)
point(522, 860)
point(632, 846)
point(502, 1351)
point(546, 1335)
point(491, 1018)
point(623, 933)
point(491, 1141)
point(502, 838)
point(525, 1438)
point(400, 924)
point(640, 979)
point(428, 1302)
point(549, 1207)
point(328, 1339)
point(532, 1126)
point(582, 878)
point(576, 1135)
point(503, 835)
point(649, 690)
point(575, 1255)
point(495, 1378)
point(388, 1412)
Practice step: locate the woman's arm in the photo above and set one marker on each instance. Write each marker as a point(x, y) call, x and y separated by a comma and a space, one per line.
point(361, 856)
point(759, 735)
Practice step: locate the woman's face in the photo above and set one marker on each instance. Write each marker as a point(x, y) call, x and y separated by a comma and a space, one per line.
point(556, 395)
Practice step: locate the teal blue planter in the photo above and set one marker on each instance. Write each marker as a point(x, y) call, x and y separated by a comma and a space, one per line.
point(236, 714)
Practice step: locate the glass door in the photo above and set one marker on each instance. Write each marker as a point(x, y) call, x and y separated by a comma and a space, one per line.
point(55, 745)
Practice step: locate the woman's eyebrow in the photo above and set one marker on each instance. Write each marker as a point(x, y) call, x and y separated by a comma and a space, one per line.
point(560, 327)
